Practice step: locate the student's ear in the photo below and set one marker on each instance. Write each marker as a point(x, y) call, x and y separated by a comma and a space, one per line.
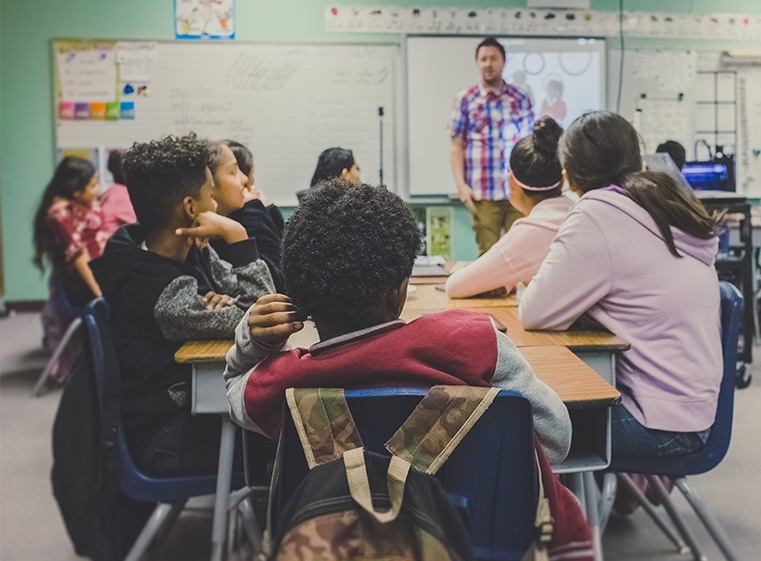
point(189, 208)
point(567, 180)
point(395, 299)
point(344, 174)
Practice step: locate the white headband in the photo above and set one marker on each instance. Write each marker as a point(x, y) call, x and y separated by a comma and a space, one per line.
point(529, 188)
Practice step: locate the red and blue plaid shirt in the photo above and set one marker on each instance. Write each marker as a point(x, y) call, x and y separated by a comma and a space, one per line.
point(490, 123)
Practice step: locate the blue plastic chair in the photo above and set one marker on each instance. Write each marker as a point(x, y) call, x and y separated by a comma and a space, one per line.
point(70, 316)
point(491, 477)
point(170, 493)
point(678, 468)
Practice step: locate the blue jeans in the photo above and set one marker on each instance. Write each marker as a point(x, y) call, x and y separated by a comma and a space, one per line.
point(630, 438)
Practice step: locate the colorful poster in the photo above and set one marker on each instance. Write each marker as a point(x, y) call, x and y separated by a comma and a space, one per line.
point(204, 19)
point(86, 72)
point(439, 231)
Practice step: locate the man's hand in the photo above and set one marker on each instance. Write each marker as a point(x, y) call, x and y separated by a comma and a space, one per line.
point(216, 301)
point(466, 197)
point(274, 318)
point(212, 225)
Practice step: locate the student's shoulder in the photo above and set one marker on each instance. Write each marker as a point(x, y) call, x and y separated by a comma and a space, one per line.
point(451, 324)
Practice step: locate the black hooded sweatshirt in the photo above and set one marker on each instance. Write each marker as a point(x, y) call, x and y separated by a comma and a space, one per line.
point(156, 305)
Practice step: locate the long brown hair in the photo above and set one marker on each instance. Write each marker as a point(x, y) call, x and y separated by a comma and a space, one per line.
point(602, 148)
point(72, 175)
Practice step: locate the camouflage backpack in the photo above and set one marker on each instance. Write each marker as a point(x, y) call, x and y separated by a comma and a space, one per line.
point(357, 504)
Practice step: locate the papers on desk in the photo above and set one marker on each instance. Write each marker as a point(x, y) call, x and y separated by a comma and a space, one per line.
point(430, 266)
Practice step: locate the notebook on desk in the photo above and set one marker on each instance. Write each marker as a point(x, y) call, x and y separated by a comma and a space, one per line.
point(430, 266)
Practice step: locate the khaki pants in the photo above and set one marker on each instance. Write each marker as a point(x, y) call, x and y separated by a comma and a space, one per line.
point(489, 221)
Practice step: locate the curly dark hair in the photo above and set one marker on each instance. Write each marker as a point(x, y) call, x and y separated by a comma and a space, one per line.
point(344, 248)
point(161, 173)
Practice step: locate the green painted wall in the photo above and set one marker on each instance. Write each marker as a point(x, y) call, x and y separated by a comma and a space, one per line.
point(26, 114)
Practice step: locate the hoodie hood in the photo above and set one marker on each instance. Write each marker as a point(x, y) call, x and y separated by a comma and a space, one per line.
point(686, 244)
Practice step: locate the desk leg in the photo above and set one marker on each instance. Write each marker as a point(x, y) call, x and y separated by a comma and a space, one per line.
point(222, 498)
point(592, 500)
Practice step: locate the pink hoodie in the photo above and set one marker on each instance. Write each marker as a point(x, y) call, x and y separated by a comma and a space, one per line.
point(516, 256)
point(609, 259)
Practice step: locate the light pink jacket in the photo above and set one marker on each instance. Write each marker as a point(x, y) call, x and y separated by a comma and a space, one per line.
point(516, 256)
point(609, 259)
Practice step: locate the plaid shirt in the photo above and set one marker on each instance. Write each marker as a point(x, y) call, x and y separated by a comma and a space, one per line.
point(490, 123)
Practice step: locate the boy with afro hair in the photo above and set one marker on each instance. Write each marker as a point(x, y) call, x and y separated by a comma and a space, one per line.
point(164, 290)
point(348, 252)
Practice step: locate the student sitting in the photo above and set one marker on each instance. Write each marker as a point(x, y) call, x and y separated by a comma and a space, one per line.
point(163, 291)
point(68, 232)
point(333, 163)
point(636, 255)
point(536, 180)
point(117, 208)
point(246, 164)
point(348, 252)
point(234, 199)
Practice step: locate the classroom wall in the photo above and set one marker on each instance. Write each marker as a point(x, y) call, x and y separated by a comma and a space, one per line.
point(27, 156)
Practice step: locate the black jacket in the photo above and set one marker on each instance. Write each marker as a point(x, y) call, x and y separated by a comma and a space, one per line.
point(265, 226)
point(156, 305)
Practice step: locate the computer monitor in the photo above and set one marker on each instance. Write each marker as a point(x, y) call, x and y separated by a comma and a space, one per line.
point(716, 175)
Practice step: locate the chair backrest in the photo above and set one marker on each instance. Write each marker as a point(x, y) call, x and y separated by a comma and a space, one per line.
point(66, 309)
point(134, 483)
point(716, 448)
point(491, 476)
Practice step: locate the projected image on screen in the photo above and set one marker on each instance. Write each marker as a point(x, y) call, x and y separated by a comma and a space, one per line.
point(563, 77)
point(561, 83)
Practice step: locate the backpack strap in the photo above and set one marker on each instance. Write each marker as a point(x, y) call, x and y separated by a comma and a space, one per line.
point(538, 551)
point(359, 485)
point(438, 424)
point(315, 409)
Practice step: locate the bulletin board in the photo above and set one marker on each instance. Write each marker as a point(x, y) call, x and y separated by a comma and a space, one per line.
point(696, 99)
point(287, 103)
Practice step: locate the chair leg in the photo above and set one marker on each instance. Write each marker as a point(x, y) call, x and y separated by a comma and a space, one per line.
point(162, 514)
point(633, 488)
point(663, 494)
point(607, 496)
point(591, 499)
point(250, 525)
point(709, 521)
point(53, 362)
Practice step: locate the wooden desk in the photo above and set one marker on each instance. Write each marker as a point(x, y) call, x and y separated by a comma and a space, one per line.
point(575, 383)
point(428, 297)
point(587, 396)
point(596, 348)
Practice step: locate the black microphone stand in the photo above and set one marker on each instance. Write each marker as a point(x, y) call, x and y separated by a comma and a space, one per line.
point(380, 125)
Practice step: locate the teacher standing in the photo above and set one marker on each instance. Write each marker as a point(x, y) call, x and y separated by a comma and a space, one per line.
point(486, 122)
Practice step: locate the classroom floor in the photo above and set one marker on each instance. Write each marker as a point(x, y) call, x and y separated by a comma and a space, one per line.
point(31, 528)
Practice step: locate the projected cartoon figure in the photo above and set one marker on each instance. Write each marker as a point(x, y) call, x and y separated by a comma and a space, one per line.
point(519, 81)
point(553, 104)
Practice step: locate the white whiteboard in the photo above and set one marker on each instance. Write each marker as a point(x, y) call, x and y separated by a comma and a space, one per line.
point(287, 103)
point(440, 67)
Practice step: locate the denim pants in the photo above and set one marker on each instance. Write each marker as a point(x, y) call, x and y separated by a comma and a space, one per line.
point(186, 445)
point(630, 438)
